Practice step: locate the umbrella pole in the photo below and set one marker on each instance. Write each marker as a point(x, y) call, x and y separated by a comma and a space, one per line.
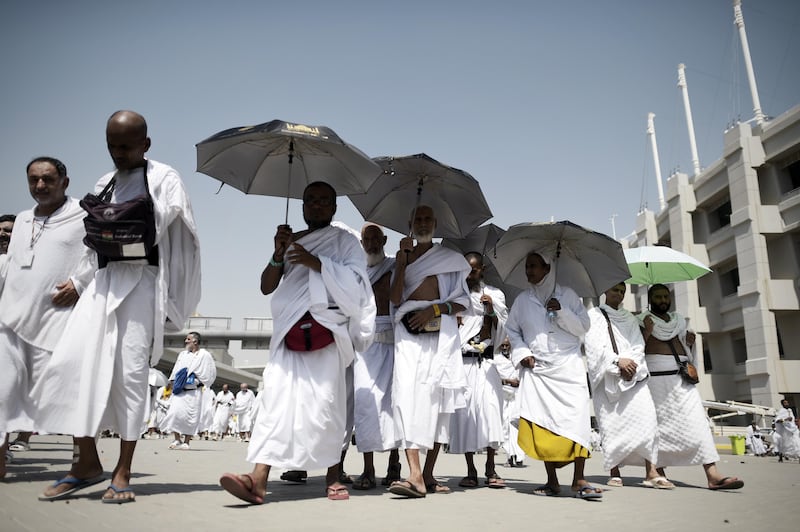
point(416, 205)
point(289, 182)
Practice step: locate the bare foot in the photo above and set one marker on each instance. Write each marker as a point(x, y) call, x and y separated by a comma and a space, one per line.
point(76, 477)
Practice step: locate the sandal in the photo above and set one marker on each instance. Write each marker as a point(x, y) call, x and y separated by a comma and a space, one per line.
point(436, 487)
point(234, 485)
point(295, 476)
point(659, 483)
point(616, 482)
point(469, 482)
point(494, 481)
point(546, 491)
point(364, 483)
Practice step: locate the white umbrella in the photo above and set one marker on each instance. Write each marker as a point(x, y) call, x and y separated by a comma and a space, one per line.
point(586, 261)
point(661, 264)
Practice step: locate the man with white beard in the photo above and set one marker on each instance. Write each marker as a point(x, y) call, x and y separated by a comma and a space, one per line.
point(373, 370)
point(429, 288)
point(224, 401)
point(194, 370)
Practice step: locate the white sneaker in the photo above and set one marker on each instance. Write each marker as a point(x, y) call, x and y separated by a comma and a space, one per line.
point(175, 444)
point(184, 447)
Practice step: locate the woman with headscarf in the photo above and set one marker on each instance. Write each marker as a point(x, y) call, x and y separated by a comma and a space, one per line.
point(545, 327)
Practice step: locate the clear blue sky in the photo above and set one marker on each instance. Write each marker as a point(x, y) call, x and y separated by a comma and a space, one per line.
point(545, 103)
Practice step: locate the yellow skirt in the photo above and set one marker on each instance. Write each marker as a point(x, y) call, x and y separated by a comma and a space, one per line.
point(541, 444)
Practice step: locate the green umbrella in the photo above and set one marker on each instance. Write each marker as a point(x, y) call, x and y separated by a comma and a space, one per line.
point(662, 264)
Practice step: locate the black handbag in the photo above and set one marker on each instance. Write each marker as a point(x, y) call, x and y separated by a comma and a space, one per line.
point(120, 231)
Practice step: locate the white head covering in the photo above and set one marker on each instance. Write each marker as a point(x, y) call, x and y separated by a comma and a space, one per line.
point(544, 289)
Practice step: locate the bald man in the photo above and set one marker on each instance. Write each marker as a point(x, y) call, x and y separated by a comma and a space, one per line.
point(97, 377)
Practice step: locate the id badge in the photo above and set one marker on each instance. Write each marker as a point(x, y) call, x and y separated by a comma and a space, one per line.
point(26, 257)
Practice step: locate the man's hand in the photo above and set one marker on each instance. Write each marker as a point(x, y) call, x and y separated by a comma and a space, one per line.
point(406, 247)
point(283, 237)
point(527, 362)
point(297, 254)
point(627, 368)
point(553, 304)
point(420, 317)
point(648, 325)
point(66, 295)
point(514, 383)
point(486, 301)
point(690, 338)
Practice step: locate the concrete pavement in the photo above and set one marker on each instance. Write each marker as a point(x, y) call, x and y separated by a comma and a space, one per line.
point(180, 490)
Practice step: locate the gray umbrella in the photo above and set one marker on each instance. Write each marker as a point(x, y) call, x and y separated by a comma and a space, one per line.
point(280, 158)
point(586, 261)
point(413, 180)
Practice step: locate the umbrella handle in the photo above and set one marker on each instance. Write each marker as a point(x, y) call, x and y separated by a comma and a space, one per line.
point(289, 182)
point(416, 205)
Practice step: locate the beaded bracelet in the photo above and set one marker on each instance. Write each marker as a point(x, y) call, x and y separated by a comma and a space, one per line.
point(436, 311)
point(273, 262)
point(449, 307)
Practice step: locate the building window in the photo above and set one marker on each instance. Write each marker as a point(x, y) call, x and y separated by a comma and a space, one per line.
point(739, 351)
point(720, 217)
point(729, 282)
point(707, 365)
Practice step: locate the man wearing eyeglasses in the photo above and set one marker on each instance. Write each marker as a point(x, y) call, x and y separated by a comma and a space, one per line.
point(323, 310)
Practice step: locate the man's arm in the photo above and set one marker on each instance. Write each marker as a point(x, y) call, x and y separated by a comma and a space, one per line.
point(401, 261)
point(271, 276)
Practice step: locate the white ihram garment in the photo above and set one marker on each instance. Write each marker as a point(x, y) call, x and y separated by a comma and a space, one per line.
point(302, 415)
point(624, 409)
point(553, 394)
point(480, 424)
point(97, 376)
point(43, 252)
point(185, 413)
point(222, 414)
point(789, 439)
point(243, 408)
point(429, 378)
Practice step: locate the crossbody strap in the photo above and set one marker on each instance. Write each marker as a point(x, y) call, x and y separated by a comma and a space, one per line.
point(674, 351)
point(610, 331)
point(105, 195)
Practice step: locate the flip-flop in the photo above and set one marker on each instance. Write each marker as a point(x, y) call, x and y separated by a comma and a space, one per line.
point(337, 494)
point(588, 492)
point(494, 481)
point(405, 488)
point(546, 491)
point(236, 487)
point(436, 487)
point(727, 483)
point(615, 482)
point(76, 484)
point(468, 482)
point(659, 483)
point(116, 490)
point(295, 476)
point(364, 482)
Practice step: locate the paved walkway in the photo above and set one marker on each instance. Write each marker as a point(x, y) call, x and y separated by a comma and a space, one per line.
point(179, 490)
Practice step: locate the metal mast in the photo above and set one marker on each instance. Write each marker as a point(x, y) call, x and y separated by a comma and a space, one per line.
point(689, 121)
point(738, 19)
point(651, 132)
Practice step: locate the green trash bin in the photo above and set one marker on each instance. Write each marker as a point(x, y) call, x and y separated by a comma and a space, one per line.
point(737, 445)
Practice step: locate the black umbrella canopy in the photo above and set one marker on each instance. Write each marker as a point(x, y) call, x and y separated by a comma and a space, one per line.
point(279, 158)
point(412, 180)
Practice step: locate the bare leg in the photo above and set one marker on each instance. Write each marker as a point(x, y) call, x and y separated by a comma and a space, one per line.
point(430, 462)
point(3, 449)
point(490, 466)
point(23, 437)
point(414, 470)
point(369, 465)
point(472, 472)
point(87, 466)
point(615, 471)
point(121, 476)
